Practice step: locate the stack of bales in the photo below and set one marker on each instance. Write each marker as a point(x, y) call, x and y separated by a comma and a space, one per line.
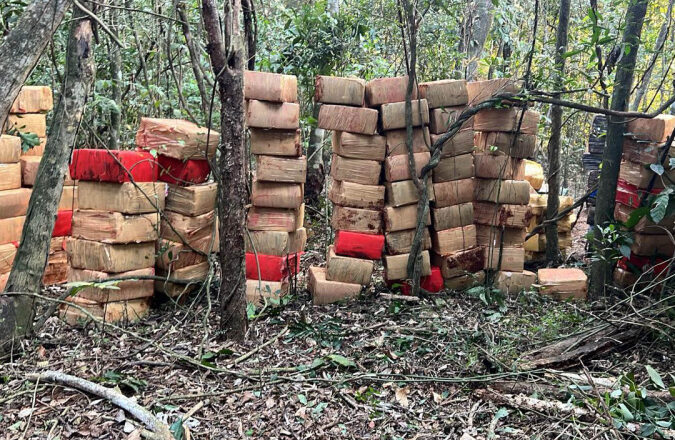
point(114, 233)
point(643, 150)
point(593, 157)
point(356, 193)
point(187, 230)
point(503, 138)
point(276, 217)
point(18, 170)
point(455, 251)
point(535, 246)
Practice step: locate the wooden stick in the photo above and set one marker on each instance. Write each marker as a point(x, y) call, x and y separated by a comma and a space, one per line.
point(394, 297)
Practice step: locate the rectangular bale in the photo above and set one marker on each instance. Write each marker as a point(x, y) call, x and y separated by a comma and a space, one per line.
point(515, 145)
point(454, 192)
point(33, 99)
point(357, 195)
point(489, 166)
point(281, 169)
point(116, 166)
point(35, 123)
point(441, 119)
point(344, 118)
point(563, 283)
point(512, 258)
point(10, 176)
point(266, 86)
point(326, 292)
point(107, 257)
point(358, 245)
point(280, 116)
point(112, 312)
point(175, 290)
point(10, 148)
point(648, 245)
point(404, 192)
point(402, 218)
point(386, 90)
point(127, 198)
point(193, 199)
point(340, 90)
point(122, 291)
point(515, 192)
point(507, 120)
point(444, 93)
point(454, 168)
point(7, 254)
point(177, 138)
point(178, 227)
point(460, 263)
point(464, 282)
point(114, 227)
point(651, 129)
point(271, 219)
point(359, 146)
point(14, 202)
point(11, 229)
point(392, 116)
point(492, 236)
point(513, 216)
point(460, 143)
point(275, 142)
point(514, 282)
point(479, 91)
point(172, 255)
point(396, 266)
point(276, 195)
point(396, 141)
point(640, 175)
point(452, 240)
point(396, 168)
point(400, 242)
point(347, 269)
point(29, 169)
point(260, 293)
point(453, 216)
point(357, 220)
point(365, 172)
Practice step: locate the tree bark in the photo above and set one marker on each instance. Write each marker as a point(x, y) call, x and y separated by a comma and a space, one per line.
point(476, 28)
point(553, 203)
point(194, 56)
point(658, 48)
point(250, 32)
point(601, 268)
point(31, 256)
point(22, 47)
point(116, 84)
point(228, 68)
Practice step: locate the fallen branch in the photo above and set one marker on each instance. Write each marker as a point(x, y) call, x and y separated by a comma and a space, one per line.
point(395, 297)
point(159, 429)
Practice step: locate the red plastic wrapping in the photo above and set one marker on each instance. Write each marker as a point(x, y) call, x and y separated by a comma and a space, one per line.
point(183, 172)
point(641, 264)
point(113, 166)
point(432, 283)
point(272, 267)
point(358, 245)
point(63, 225)
point(630, 195)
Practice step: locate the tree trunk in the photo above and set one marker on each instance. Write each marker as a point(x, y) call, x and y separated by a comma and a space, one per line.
point(116, 84)
point(31, 256)
point(22, 47)
point(194, 56)
point(601, 268)
point(250, 32)
point(232, 196)
point(315, 165)
point(553, 203)
point(658, 48)
point(476, 28)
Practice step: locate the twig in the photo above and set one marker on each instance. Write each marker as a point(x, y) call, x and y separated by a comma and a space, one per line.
point(105, 27)
point(245, 356)
point(394, 297)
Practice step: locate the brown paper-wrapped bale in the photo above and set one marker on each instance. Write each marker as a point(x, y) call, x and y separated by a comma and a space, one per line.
point(14, 202)
point(260, 292)
point(453, 193)
point(356, 220)
point(281, 169)
point(273, 87)
point(452, 240)
point(29, 169)
point(105, 257)
point(275, 142)
point(396, 167)
point(460, 263)
point(396, 266)
point(404, 192)
point(337, 90)
point(10, 148)
point(464, 282)
point(460, 143)
point(516, 192)
point(401, 218)
point(365, 172)
point(35, 123)
point(352, 119)
point(33, 99)
point(453, 216)
point(563, 282)
point(174, 226)
point(174, 290)
point(326, 292)
point(124, 291)
point(69, 199)
point(400, 242)
point(56, 271)
point(652, 245)
point(489, 166)
point(513, 216)
point(503, 143)
point(7, 254)
point(644, 152)
point(441, 119)
point(514, 282)
point(172, 255)
point(177, 138)
point(280, 116)
point(127, 198)
point(385, 90)
point(114, 227)
point(444, 93)
point(271, 219)
point(507, 120)
point(113, 312)
point(655, 129)
point(10, 176)
point(276, 195)
point(192, 200)
point(359, 146)
point(277, 243)
point(38, 150)
point(396, 141)
point(479, 91)
point(640, 175)
point(347, 269)
point(644, 225)
point(392, 116)
point(492, 236)
point(11, 228)
point(356, 195)
point(512, 258)
point(454, 168)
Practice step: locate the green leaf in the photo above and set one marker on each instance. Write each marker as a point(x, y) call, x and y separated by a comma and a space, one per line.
point(626, 415)
point(302, 399)
point(655, 377)
point(658, 211)
point(635, 217)
point(341, 360)
point(672, 163)
point(625, 250)
point(657, 168)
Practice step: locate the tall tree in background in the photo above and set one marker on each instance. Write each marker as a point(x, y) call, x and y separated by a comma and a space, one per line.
point(31, 256)
point(226, 49)
point(475, 30)
point(24, 44)
point(601, 269)
point(554, 169)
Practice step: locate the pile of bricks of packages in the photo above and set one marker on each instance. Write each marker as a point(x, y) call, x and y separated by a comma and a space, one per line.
point(592, 159)
point(18, 170)
point(643, 146)
point(535, 246)
point(187, 232)
point(275, 218)
point(503, 138)
point(355, 190)
point(114, 233)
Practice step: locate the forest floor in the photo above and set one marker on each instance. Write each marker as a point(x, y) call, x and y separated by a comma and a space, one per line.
point(373, 368)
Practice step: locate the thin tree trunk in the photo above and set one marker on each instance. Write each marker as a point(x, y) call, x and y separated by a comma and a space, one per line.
point(477, 27)
point(116, 84)
point(601, 268)
point(194, 56)
point(22, 47)
point(229, 71)
point(553, 203)
point(315, 165)
point(31, 256)
point(250, 32)
point(658, 49)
